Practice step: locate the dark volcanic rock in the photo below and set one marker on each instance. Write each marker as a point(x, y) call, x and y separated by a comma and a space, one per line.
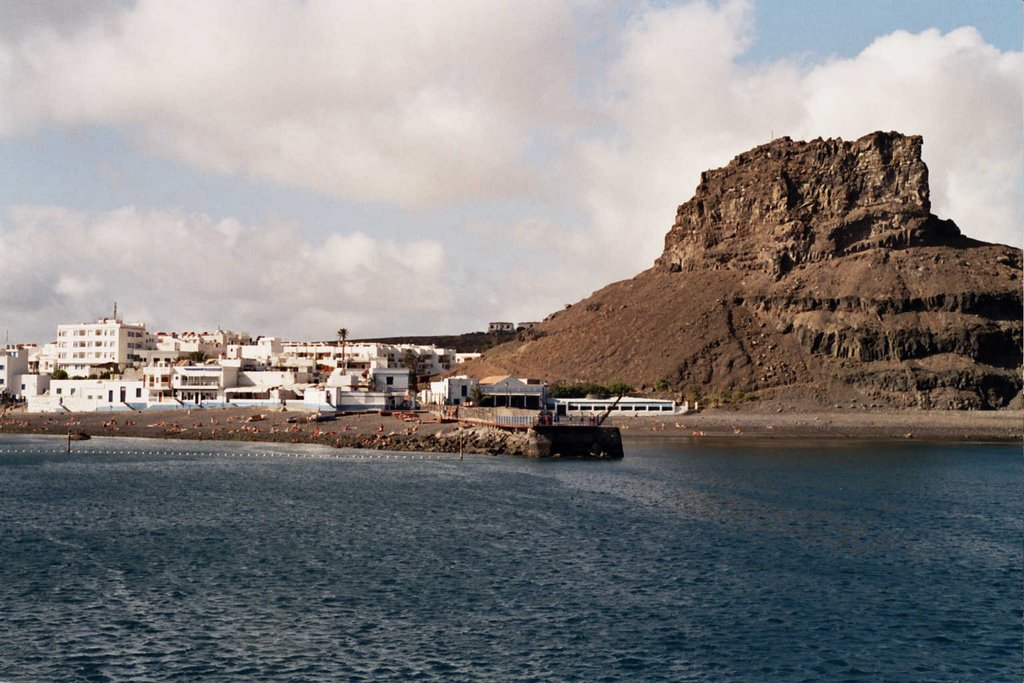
point(805, 266)
point(787, 203)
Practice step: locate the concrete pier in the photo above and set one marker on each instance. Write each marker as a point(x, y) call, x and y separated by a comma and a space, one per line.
point(574, 442)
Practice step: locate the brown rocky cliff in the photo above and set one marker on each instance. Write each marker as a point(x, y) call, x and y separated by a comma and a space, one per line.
point(787, 203)
point(804, 266)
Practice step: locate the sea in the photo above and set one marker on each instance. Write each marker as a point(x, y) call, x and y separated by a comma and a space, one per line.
point(688, 560)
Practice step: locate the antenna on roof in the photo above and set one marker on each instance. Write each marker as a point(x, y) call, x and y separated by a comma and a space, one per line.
point(115, 310)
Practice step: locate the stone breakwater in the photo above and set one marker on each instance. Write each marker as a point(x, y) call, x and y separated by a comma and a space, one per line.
point(395, 432)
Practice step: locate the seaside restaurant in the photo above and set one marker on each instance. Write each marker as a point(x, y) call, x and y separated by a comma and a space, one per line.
point(506, 391)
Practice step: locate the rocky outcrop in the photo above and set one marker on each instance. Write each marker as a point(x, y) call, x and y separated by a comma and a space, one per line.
point(813, 267)
point(787, 203)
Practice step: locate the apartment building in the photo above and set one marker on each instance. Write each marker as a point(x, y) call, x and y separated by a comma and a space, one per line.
point(109, 344)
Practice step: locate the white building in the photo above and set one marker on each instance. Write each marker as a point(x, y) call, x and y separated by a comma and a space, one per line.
point(89, 395)
point(30, 385)
point(450, 391)
point(501, 327)
point(264, 351)
point(512, 392)
point(209, 344)
point(198, 384)
point(44, 359)
point(13, 364)
point(626, 406)
point(371, 389)
point(87, 349)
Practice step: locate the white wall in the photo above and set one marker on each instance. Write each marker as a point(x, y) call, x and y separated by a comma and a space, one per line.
point(87, 395)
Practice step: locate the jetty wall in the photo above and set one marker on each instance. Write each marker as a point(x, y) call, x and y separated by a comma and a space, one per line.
point(574, 442)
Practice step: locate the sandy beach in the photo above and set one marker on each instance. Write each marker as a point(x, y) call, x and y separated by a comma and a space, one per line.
point(421, 431)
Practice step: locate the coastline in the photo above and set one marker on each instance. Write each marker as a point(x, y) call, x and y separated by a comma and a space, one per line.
point(419, 431)
point(816, 423)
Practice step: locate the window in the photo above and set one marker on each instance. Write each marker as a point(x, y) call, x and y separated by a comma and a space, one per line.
point(465, 390)
point(138, 392)
point(389, 380)
point(59, 390)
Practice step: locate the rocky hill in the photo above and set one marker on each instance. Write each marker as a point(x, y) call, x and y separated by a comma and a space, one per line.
point(812, 268)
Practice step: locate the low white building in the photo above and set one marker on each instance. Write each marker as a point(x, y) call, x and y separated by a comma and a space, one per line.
point(13, 364)
point(626, 406)
point(449, 391)
point(512, 392)
point(31, 385)
point(89, 395)
point(371, 389)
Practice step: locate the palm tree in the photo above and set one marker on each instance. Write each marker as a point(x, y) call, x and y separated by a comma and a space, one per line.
point(342, 336)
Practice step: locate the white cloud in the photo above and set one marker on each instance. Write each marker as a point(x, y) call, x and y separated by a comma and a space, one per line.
point(452, 103)
point(681, 102)
point(964, 96)
point(176, 271)
point(408, 102)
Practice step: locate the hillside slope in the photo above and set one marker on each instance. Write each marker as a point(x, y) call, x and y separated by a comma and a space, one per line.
point(803, 266)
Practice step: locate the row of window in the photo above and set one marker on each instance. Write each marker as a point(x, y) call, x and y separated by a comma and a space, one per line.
point(97, 332)
point(619, 408)
point(110, 394)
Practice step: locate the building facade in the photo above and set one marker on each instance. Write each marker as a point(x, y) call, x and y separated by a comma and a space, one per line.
point(88, 349)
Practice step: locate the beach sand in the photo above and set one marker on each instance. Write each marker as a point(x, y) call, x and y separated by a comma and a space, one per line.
point(419, 431)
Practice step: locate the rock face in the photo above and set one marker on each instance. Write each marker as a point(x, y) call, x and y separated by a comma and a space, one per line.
point(804, 267)
point(788, 203)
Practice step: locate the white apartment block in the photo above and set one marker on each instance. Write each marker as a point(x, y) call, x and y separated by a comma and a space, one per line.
point(86, 349)
point(13, 364)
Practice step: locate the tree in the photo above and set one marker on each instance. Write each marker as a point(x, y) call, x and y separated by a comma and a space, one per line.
point(59, 374)
point(618, 389)
point(476, 395)
point(197, 357)
point(343, 337)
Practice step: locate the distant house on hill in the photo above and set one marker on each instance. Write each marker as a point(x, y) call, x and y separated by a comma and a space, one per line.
point(500, 327)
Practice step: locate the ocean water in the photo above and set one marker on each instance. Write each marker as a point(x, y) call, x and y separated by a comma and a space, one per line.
point(686, 561)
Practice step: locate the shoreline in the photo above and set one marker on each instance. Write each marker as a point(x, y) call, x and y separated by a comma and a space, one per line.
point(420, 431)
point(887, 425)
point(415, 431)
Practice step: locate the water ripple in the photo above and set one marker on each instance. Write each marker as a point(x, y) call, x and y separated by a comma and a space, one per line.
point(674, 564)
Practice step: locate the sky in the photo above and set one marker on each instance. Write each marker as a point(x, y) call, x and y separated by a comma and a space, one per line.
point(291, 167)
